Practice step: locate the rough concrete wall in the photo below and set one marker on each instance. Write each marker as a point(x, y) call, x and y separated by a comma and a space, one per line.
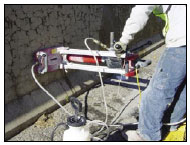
point(29, 27)
point(115, 17)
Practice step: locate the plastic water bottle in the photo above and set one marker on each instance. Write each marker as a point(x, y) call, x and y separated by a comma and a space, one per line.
point(78, 130)
point(77, 134)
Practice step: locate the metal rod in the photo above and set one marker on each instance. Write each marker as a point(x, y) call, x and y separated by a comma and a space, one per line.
point(111, 39)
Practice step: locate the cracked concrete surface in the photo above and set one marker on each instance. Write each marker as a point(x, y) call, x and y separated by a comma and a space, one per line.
point(30, 27)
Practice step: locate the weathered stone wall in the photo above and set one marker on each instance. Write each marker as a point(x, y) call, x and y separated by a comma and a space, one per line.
point(30, 27)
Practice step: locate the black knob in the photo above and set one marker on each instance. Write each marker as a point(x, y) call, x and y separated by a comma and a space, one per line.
point(118, 47)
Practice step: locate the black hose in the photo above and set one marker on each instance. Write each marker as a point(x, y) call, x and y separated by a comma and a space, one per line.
point(53, 132)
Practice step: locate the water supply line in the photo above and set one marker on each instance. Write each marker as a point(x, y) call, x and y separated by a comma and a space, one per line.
point(46, 91)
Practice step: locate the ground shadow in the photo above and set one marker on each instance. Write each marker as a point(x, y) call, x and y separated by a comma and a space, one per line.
point(125, 82)
point(119, 135)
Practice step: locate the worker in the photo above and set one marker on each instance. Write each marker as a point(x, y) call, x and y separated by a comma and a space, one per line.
point(170, 71)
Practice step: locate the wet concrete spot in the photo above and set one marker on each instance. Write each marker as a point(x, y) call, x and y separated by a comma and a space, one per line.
point(111, 107)
point(119, 101)
point(97, 113)
point(97, 104)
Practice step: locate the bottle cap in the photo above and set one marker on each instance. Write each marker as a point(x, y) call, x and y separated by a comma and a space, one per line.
point(76, 121)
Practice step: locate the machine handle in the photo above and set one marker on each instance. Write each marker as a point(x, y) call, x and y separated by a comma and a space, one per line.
point(143, 63)
point(76, 104)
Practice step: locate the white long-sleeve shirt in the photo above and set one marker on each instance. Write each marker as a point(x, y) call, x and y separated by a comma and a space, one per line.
point(176, 35)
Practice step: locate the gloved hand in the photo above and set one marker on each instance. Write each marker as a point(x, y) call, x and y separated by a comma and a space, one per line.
point(119, 48)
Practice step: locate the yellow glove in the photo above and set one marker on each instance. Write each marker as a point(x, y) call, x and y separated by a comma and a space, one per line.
point(119, 48)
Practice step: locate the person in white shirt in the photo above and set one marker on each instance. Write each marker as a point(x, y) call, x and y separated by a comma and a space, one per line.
point(170, 72)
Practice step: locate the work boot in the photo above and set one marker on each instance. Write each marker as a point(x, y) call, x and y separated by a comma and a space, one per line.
point(132, 135)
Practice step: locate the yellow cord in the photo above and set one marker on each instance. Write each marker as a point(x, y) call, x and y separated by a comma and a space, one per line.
point(138, 86)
